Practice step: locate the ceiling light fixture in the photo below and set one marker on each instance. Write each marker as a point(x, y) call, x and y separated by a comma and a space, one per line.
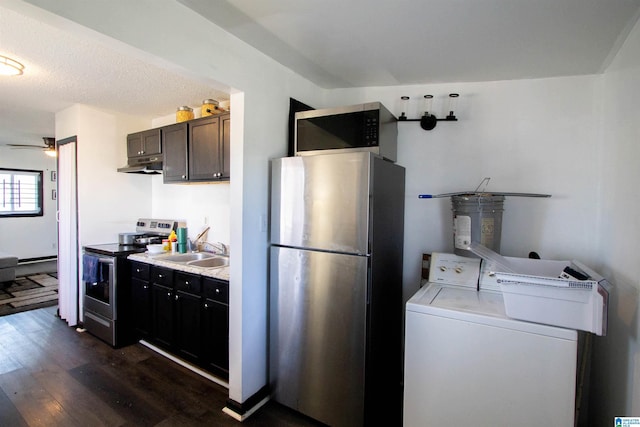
point(10, 67)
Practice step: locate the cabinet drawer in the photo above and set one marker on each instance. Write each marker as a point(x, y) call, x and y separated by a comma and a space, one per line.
point(188, 283)
point(162, 276)
point(216, 290)
point(140, 270)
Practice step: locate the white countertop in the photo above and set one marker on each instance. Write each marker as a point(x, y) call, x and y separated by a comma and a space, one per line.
point(221, 273)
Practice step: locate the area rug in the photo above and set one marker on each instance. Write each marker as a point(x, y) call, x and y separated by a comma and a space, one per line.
point(28, 293)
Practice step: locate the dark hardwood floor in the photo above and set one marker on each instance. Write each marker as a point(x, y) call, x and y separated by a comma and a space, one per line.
point(51, 375)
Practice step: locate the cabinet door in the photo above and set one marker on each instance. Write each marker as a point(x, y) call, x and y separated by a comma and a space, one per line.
point(174, 149)
point(215, 328)
point(134, 144)
point(141, 294)
point(225, 146)
point(145, 143)
point(162, 314)
point(204, 156)
point(188, 325)
point(151, 143)
point(140, 270)
point(216, 337)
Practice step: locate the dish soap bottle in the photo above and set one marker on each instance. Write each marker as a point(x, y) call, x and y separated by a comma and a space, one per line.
point(173, 241)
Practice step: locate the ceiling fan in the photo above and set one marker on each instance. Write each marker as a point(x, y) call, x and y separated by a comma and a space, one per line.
point(49, 146)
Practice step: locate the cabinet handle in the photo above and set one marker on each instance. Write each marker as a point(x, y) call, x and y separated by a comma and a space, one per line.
point(176, 297)
point(160, 276)
point(186, 282)
point(184, 176)
point(137, 270)
point(145, 286)
point(169, 294)
point(217, 290)
point(206, 305)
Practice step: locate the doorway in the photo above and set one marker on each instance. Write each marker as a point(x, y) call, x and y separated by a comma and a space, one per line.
point(69, 300)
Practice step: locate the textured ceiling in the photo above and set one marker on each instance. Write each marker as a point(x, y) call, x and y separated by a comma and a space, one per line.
point(63, 69)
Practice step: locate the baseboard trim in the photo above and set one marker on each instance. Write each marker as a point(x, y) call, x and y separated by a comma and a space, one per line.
point(242, 411)
point(185, 364)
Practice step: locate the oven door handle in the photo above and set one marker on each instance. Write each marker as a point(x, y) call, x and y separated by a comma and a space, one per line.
point(106, 260)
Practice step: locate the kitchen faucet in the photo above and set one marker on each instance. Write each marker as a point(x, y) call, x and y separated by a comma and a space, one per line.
point(218, 248)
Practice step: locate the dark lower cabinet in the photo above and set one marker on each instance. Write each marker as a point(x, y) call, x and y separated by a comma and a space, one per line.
point(141, 299)
point(162, 301)
point(187, 321)
point(142, 307)
point(216, 326)
point(162, 306)
point(185, 314)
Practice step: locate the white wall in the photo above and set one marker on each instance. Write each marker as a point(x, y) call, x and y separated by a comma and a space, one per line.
point(531, 136)
point(108, 201)
point(616, 373)
point(31, 237)
point(200, 205)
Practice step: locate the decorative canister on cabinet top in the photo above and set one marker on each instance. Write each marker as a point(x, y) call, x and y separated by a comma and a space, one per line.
point(183, 114)
point(210, 108)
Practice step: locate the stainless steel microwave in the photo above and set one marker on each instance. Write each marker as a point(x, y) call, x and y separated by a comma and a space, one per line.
point(363, 127)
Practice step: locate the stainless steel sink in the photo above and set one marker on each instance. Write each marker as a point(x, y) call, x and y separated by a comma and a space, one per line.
point(212, 262)
point(186, 258)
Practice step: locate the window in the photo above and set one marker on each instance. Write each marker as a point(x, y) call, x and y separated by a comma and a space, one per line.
point(20, 193)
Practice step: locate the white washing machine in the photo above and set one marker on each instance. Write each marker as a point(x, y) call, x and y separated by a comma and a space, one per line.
point(468, 364)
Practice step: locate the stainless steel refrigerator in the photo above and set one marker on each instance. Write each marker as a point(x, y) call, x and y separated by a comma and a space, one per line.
point(337, 224)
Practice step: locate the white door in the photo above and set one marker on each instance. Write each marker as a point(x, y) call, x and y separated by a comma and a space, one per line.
point(69, 285)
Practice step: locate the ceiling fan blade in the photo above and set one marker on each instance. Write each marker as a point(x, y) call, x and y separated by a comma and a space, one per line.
point(19, 146)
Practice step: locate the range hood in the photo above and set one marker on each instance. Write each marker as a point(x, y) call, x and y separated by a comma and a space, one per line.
point(145, 165)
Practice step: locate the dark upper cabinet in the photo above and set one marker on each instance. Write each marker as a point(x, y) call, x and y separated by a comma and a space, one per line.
point(174, 142)
point(197, 150)
point(225, 145)
point(204, 156)
point(143, 144)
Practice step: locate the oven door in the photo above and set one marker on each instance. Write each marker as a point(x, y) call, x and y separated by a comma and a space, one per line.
point(100, 297)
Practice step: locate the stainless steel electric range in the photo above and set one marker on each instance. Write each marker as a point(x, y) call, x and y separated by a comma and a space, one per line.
point(107, 292)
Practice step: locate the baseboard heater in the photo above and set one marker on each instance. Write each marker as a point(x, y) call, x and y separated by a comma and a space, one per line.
point(37, 259)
